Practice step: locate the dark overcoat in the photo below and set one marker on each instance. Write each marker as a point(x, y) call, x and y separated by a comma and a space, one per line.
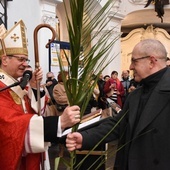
point(146, 147)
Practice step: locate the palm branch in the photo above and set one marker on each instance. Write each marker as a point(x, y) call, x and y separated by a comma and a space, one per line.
point(86, 58)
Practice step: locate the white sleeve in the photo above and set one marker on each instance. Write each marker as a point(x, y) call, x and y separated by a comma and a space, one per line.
point(34, 103)
point(59, 130)
point(34, 138)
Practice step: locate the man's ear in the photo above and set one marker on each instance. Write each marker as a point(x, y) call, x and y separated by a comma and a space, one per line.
point(153, 60)
point(4, 60)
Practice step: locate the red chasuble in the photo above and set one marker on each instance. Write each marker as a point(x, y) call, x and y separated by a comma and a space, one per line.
point(13, 126)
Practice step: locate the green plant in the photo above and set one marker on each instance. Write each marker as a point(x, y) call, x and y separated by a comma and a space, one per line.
point(86, 58)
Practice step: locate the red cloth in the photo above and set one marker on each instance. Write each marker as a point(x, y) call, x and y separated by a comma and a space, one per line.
point(13, 126)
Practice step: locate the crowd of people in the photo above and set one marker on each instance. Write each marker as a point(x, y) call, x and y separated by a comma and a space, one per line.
point(108, 90)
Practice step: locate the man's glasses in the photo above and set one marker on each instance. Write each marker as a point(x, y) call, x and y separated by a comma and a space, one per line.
point(134, 60)
point(21, 59)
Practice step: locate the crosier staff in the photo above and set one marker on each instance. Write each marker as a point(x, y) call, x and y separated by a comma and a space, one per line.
point(36, 55)
point(37, 65)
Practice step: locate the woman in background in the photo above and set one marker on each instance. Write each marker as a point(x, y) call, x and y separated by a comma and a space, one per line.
point(114, 89)
point(59, 94)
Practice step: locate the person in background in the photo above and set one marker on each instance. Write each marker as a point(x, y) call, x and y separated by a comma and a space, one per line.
point(106, 77)
point(50, 109)
point(59, 94)
point(101, 83)
point(61, 102)
point(133, 85)
point(114, 89)
point(24, 133)
point(93, 102)
point(126, 83)
point(96, 94)
point(50, 83)
point(142, 127)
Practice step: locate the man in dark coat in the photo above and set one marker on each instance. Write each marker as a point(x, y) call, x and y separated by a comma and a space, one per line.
point(142, 127)
point(50, 83)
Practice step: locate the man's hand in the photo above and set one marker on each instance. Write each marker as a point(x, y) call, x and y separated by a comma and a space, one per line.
point(70, 117)
point(49, 83)
point(131, 88)
point(74, 141)
point(37, 76)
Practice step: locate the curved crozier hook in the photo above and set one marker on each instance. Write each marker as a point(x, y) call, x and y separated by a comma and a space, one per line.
point(36, 53)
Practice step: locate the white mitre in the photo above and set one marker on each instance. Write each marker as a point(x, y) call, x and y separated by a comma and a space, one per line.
point(14, 41)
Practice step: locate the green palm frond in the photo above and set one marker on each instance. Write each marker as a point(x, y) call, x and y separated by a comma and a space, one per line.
point(82, 30)
point(90, 46)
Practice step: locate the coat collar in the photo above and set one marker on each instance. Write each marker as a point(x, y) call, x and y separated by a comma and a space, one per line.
point(157, 101)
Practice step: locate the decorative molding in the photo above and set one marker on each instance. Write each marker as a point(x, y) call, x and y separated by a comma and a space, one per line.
point(116, 15)
point(49, 15)
point(52, 21)
point(135, 36)
point(47, 19)
point(98, 35)
point(150, 32)
point(53, 1)
point(116, 5)
point(115, 12)
point(138, 2)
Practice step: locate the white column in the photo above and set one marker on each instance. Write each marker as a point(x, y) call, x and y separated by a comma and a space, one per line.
point(115, 51)
point(116, 17)
point(48, 16)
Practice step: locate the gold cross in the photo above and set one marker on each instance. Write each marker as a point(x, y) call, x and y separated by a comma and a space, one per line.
point(15, 37)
